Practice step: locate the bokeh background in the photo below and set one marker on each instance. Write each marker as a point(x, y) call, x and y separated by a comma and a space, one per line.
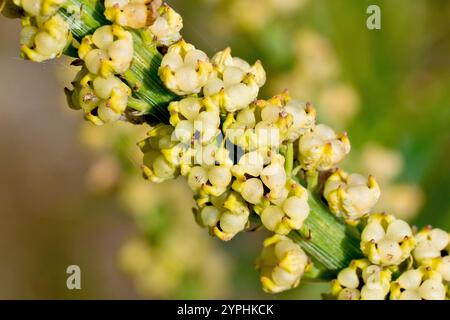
point(72, 193)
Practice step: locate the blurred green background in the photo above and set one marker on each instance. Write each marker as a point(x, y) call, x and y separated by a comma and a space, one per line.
point(71, 193)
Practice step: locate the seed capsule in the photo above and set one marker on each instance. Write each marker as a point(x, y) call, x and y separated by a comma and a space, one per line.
point(387, 241)
point(351, 195)
point(167, 26)
point(430, 243)
point(226, 217)
point(233, 84)
point(292, 117)
point(184, 69)
point(44, 39)
point(161, 154)
point(361, 281)
point(103, 100)
point(418, 284)
point(108, 51)
point(281, 264)
point(194, 121)
point(322, 149)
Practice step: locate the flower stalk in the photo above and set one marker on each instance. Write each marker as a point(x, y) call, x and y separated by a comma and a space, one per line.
point(245, 159)
point(329, 242)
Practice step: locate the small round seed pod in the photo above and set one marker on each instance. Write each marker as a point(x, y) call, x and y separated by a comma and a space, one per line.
point(351, 195)
point(361, 280)
point(134, 14)
point(103, 100)
point(322, 149)
point(233, 84)
point(250, 164)
point(430, 243)
point(157, 165)
point(167, 26)
point(418, 284)
point(184, 69)
point(387, 241)
point(35, 8)
point(289, 214)
point(237, 127)
point(225, 215)
point(44, 39)
point(209, 180)
point(195, 122)
point(292, 117)
point(281, 264)
point(274, 176)
point(108, 51)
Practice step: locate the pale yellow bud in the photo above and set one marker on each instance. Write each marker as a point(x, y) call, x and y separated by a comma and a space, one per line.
point(44, 40)
point(184, 69)
point(108, 51)
point(351, 196)
point(387, 241)
point(322, 149)
point(167, 26)
point(281, 264)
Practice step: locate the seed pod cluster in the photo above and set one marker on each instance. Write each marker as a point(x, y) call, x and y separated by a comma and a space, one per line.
point(101, 99)
point(44, 35)
point(243, 157)
point(415, 266)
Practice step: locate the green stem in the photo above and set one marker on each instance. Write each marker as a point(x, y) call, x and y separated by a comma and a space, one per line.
point(329, 242)
point(289, 162)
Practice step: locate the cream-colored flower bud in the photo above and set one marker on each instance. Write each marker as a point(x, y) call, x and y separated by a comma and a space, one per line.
point(252, 190)
point(281, 264)
point(251, 163)
point(167, 26)
point(233, 217)
point(351, 195)
point(430, 243)
point(209, 216)
point(184, 69)
point(361, 281)
point(292, 117)
point(322, 149)
point(418, 284)
point(134, 14)
point(108, 51)
point(233, 84)
point(197, 178)
point(159, 164)
point(194, 121)
point(36, 8)
point(387, 241)
point(45, 39)
point(103, 100)
point(289, 216)
point(274, 175)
